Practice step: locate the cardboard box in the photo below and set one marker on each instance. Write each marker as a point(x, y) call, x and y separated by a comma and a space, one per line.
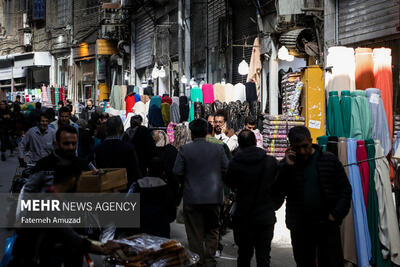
point(106, 182)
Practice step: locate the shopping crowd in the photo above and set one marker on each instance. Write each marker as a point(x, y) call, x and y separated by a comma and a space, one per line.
point(199, 164)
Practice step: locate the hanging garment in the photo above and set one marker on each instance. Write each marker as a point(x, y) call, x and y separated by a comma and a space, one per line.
point(345, 109)
point(208, 93)
point(182, 135)
point(389, 234)
point(363, 241)
point(53, 97)
point(49, 97)
point(342, 74)
point(229, 93)
point(116, 97)
point(166, 99)
point(255, 67)
point(364, 169)
point(380, 127)
point(219, 92)
point(196, 95)
point(334, 116)
point(155, 101)
point(170, 132)
point(56, 97)
point(364, 68)
point(44, 96)
point(384, 81)
point(183, 108)
point(360, 127)
point(155, 117)
point(251, 92)
point(239, 92)
point(104, 92)
point(198, 110)
point(137, 97)
point(166, 113)
point(175, 115)
point(373, 210)
point(130, 103)
point(148, 91)
point(347, 227)
point(141, 109)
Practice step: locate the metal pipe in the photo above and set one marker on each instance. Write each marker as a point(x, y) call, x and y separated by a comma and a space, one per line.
point(180, 48)
point(187, 40)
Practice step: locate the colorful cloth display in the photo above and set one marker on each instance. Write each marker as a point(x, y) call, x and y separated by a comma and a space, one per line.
point(364, 68)
point(334, 116)
point(341, 76)
point(345, 109)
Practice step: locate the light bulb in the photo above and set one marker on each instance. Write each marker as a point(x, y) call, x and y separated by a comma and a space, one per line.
point(243, 68)
point(161, 72)
point(184, 79)
point(155, 73)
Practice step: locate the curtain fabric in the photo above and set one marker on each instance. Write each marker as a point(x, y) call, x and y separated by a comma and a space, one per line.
point(363, 241)
point(334, 116)
point(360, 125)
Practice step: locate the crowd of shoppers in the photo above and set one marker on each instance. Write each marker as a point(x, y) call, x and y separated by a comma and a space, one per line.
point(200, 173)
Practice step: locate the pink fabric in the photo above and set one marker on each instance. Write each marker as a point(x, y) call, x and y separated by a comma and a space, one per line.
point(362, 155)
point(208, 93)
point(170, 132)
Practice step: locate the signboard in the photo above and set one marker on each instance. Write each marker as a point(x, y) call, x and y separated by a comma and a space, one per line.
point(106, 47)
point(84, 50)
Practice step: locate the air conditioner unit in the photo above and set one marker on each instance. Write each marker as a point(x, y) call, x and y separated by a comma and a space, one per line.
point(27, 39)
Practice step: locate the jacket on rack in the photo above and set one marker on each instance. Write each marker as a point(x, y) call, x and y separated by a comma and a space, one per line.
point(334, 187)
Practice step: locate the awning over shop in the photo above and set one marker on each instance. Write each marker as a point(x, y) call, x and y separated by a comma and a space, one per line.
point(32, 59)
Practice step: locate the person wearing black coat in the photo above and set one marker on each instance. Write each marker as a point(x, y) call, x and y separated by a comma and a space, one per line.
point(114, 153)
point(318, 196)
point(88, 111)
point(250, 175)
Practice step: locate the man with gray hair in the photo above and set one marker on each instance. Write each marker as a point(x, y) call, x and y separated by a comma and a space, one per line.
point(114, 153)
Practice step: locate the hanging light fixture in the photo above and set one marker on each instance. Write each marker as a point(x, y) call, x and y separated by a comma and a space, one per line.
point(155, 73)
point(243, 68)
point(161, 72)
point(184, 79)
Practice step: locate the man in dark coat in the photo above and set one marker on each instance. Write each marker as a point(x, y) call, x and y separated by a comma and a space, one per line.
point(88, 111)
point(251, 174)
point(114, 153)
point(318, 196)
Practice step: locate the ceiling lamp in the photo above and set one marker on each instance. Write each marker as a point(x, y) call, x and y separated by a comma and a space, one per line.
point(243, 68)
point(155, 73)
point(184, 79)
point(161, 72)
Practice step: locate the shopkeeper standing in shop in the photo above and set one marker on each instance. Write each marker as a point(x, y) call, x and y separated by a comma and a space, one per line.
point(223, 133)
point(318, 196)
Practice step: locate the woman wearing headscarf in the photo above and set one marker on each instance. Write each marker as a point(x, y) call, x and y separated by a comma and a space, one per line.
point(168, 153)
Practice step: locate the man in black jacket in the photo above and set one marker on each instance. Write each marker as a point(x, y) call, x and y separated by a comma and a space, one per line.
point(318, 196)
point(88, 111)
point(251, 174)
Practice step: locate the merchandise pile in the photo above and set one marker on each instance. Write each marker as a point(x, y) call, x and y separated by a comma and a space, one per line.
point(291, 88)
point(275, 130)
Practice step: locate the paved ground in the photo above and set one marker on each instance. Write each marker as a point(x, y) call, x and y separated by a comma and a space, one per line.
point(281, 250)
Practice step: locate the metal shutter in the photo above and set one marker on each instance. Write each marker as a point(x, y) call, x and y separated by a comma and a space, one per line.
point(361, 20)
point(144, 38)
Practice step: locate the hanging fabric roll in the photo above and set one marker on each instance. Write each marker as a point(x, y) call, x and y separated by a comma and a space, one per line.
point(347, 227)
point(251, 92)
point(364, 68)
point(219, 92)
point(361, 154)
point(175, 115)
point(363, 241)
point(208, 93)
point(384, 81)
point(342, 63)
point(166, 113)
point(183, 108)
point(360, 126)
point(196, 95)
point(239, 92)
point(334, 116)
point(389, 234)
point(373, 210)
point(345, 109)
point(380, 127)
point(229, 95)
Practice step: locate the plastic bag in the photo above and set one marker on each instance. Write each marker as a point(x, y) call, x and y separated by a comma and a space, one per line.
point(8, 250)
point(179, 214)
point(146, 250)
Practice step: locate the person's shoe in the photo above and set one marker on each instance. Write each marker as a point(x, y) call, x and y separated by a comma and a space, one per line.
point(3, 157)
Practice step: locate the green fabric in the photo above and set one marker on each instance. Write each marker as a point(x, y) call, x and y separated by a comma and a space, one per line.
point(361, 125)
point(323, 142)
point(57, 97)
point(312, 195)
point(345, 107)
point(196, 95)
point(166, 114)
point(373, 210)
point(334, 116)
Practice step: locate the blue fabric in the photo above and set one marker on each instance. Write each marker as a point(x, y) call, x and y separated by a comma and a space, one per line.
point(396, 145)
point(363, 241)
point(137, 98)
point(155, 116)
point(155, 101)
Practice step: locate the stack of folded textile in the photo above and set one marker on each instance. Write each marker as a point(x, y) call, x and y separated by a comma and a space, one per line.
point(291, 93)
point(275, 129)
